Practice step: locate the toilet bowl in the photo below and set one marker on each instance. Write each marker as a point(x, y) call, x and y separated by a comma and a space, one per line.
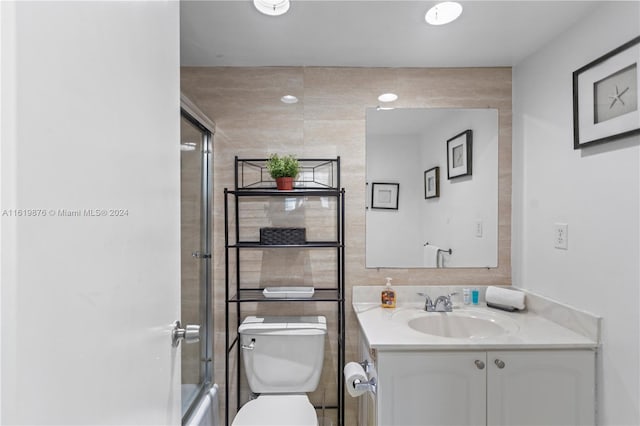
point(282, 358)
point(277, 410)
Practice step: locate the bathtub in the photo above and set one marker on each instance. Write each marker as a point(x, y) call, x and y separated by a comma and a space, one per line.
point(207, 411)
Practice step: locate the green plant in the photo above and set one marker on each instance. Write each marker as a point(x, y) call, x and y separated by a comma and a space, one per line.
point(285, 166)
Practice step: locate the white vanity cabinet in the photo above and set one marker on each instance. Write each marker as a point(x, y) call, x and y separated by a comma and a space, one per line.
point(516, 387)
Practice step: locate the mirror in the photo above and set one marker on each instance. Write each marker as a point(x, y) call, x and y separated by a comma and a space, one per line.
point(432, 188)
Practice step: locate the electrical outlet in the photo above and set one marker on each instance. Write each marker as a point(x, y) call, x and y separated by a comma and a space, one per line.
point(561, 236)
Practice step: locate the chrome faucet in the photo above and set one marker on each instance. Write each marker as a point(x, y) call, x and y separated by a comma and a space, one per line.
point(442, 303)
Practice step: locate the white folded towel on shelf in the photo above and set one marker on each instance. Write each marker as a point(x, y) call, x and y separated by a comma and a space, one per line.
point(431, 255)
point(505, 298)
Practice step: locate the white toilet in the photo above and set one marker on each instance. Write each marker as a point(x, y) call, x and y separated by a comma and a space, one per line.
point(283, 359)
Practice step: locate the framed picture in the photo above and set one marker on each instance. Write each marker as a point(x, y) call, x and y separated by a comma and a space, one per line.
point(385, 195)
point(432, 183)
point(459, 155)
point(605, 97)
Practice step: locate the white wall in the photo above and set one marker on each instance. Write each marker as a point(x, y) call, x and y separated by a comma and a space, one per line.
point(90, 120)
point(450, 219)
point(392, 237)
point(596, 191)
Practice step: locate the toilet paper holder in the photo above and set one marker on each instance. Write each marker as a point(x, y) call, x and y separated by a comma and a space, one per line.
point(358, 378)
point(369, 386)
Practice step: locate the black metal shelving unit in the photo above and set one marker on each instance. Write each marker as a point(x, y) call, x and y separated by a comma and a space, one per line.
point(317, 178)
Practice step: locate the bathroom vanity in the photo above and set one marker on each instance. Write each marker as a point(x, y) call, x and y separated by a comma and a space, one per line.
point(521, 368)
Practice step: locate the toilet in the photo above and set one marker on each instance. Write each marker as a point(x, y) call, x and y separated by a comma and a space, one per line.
point(282, 359)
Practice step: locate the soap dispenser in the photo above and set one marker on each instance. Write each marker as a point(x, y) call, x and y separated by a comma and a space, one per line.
point(388, 296)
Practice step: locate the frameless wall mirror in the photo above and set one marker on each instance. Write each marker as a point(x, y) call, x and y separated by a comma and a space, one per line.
point(432, 188)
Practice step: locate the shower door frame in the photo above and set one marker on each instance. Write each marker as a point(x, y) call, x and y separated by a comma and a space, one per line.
point(194, 116)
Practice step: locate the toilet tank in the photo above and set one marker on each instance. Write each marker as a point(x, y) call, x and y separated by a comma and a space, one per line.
point(283, 354)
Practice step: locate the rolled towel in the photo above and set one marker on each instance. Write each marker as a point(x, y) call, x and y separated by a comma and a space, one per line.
point(503, 297)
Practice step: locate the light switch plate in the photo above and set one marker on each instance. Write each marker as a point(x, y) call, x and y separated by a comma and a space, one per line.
point(478, 227)
point(561, 236)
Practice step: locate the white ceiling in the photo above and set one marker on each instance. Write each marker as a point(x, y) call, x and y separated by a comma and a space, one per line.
point(370, 33)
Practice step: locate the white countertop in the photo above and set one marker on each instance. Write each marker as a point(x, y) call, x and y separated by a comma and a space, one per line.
point(387, 329)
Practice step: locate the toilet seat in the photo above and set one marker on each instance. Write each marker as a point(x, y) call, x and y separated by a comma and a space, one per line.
point(277, 410)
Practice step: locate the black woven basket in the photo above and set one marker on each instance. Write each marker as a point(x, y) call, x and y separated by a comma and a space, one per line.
point(282, 236)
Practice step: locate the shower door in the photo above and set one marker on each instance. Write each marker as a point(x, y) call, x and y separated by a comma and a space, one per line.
point(195, 236)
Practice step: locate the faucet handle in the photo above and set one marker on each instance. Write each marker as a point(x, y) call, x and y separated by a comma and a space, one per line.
point(425, 295)
point(449, 301)
point(453, 293)
point(428, 303)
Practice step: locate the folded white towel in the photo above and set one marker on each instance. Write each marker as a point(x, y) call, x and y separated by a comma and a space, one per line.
point(505, 297)
point(431, 255)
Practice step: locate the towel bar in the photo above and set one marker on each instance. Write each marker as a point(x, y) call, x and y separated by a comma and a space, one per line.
point(443, 250)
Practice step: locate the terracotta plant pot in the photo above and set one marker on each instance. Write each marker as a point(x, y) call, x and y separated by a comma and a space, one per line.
point(284, 183)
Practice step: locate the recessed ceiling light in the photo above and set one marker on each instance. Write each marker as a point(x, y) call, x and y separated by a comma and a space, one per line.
point(388, 97)
point(443, 13)
point(289, 99)
point(272, 7)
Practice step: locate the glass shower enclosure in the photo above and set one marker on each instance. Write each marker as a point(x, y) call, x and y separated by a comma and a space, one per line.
point(196, 138)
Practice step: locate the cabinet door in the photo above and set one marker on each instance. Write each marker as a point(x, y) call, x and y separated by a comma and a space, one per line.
point(541, 388)
point(437, 388)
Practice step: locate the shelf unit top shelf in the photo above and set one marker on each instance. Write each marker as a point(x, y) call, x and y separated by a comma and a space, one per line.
point(316, 176)
point(261, 192)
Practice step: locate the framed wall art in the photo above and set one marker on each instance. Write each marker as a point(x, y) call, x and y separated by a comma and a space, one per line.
point(385, 195)
point(432, 183)
point(605, 97)
point(459, 155)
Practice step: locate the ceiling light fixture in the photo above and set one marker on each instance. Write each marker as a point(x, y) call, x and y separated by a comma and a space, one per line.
point(388, 97)
point(272, 7)
point(289, 99)
point(443, 13)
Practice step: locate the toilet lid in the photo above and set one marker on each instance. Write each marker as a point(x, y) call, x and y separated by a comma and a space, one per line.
point(277, 410)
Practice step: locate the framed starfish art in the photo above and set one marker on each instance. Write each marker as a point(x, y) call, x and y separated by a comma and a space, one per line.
point(605, 97)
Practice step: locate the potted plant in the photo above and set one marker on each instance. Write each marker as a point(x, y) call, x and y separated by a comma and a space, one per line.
point(284, 170)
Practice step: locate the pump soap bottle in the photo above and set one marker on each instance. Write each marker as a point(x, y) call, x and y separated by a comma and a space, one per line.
point(388, 296)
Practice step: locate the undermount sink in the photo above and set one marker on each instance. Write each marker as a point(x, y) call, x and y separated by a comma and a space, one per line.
point(462, 324)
